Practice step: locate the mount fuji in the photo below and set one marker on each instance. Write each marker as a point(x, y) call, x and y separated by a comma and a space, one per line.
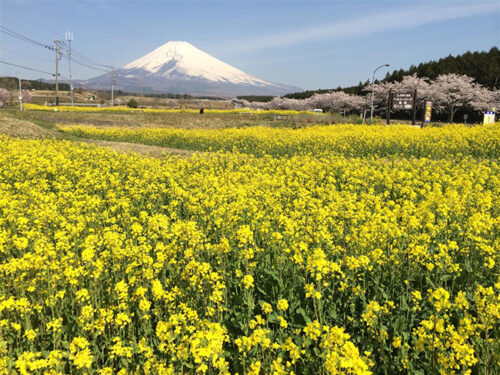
point(181, 68)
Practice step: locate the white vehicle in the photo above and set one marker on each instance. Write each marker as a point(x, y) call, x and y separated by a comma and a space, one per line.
point(318, 110)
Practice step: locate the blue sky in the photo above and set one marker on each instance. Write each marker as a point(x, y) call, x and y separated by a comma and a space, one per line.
point(310, 44)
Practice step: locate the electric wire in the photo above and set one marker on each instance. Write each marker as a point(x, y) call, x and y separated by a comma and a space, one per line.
point(76, 61)
point(25, 67)
point(82, 57)
point(82, 60)
point(14, 34)
point(79, 59)
point(25, 55)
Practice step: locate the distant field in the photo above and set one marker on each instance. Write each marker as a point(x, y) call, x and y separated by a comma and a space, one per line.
point(126, 109)
point(186, 120)
point(41, 97)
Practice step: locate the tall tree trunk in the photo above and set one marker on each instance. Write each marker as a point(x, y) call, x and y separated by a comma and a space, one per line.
point(452, 113)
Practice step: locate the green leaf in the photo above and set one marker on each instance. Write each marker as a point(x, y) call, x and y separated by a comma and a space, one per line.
point(301, 312)
point(273, 318)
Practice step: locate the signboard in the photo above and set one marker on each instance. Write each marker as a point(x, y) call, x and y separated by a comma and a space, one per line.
point(402, 100)
point(489, 117)
point(428, 112)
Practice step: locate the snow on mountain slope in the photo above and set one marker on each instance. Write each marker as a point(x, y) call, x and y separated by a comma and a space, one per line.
point(184, 58)
point(179, 67)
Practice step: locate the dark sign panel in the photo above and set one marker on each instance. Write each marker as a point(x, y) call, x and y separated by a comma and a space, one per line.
point(402, 101)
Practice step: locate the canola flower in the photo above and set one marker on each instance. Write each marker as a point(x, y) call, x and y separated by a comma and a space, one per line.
point(230, 263)
point(123, 109)
point(456, 141)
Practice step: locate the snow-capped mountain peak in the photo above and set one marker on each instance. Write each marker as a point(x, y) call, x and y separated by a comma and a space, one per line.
point(182, 57)
point(178, 67)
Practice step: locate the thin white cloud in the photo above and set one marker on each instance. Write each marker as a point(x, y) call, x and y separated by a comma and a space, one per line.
point(399, 19)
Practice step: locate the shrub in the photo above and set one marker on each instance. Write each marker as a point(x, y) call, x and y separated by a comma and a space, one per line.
point(132, 103)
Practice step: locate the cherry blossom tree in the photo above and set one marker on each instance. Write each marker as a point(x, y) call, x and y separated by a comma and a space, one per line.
point(408, 84)
point(258, 105)
point(287, 103)
point(278, 103)
point(495, 100)
point(4, 96)
point(358, 103)
point(412, 83)
point(338, 101)
point(485, 100)
point(26, 96)
point(451, 92)
point(236, 102)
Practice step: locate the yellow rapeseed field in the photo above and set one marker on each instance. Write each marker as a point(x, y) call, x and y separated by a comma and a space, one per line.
point(375, 251)
point(347, 140)
point(124, 109)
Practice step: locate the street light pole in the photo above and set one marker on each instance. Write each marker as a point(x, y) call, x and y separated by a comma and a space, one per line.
point(373, 90)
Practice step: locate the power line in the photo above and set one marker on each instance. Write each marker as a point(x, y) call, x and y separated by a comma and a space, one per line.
point(77, 61)
point(25, 67)
point(81, 60)
point(78, 57)
point(36, 70)
point(89, 61)
point(13, 34)
point(60, 48)
point(24, 55)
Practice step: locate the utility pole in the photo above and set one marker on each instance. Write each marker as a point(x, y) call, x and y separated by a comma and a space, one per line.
point(69, 38)
point(20, 92)
point(57, 69)
point(112, 85)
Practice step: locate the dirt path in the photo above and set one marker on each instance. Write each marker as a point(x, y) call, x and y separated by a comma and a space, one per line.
point(14, 127)
point(9, 125)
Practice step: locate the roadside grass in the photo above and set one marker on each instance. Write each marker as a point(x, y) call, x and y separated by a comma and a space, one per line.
point(43, 122)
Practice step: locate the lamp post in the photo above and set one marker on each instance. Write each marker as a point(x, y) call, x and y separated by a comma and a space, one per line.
point(373, 89)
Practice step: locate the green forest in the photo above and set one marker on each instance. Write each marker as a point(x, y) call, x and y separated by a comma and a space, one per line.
point(12, 83)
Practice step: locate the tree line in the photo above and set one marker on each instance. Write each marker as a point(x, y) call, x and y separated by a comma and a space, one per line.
point(449, 93)
point(12, 83)
point(483, 67)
